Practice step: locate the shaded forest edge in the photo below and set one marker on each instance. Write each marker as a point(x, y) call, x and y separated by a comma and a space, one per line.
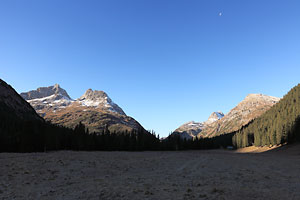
point(34, 136)
point(279, 125)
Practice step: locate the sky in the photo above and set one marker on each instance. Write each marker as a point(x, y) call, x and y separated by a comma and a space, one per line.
point(165, 62)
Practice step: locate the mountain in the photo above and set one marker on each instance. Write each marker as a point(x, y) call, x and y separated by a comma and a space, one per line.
point(94, 109)
point(250, 108)
point(191, 129)
point(215, 116)
point(47, 99)
point(20, 125)
point(278, 125)
point(99, 99)
point(23, 130)
point(41, 92)
point(14, 106)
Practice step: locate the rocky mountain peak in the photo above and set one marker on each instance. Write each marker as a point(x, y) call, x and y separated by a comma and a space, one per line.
point(94, 108)
point(44, 99)
point(215, 116)
point(261, 98)
point(94, 95)
point(43, 92)
point(99, 99)
point(248, 109)
point(191, 129)
point(56, 86)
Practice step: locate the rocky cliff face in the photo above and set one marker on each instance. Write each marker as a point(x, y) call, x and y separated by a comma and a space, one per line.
point(48, 99)
point(250, 108)
point(11, 103)
point(94, 109)
point(42, 92)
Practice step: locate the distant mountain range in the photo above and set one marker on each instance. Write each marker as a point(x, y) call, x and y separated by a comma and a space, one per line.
point(258, 120)
point(22, 129)
point(94, 109)
point(250, 108)
point(98, 112)
point(192, 129)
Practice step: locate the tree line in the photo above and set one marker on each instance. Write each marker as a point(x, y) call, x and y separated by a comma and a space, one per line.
point(37, 136)
point(280, 124)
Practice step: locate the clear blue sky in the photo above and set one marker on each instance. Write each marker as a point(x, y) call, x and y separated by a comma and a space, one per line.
point(163, 62)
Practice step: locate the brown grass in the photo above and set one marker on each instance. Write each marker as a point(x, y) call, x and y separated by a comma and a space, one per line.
point(215, 174)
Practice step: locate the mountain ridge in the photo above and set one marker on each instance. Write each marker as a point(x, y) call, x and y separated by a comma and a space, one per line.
point(191, 129)
point(251, 107)
point(42, 92)
point(94, 108)
point(13, 104)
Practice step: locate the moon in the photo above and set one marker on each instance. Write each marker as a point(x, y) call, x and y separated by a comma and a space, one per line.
point(220, 14)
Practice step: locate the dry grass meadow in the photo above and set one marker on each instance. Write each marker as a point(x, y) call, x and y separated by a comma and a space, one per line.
point(211, 174)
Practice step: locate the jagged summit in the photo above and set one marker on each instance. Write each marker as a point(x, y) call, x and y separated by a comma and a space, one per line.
point(98, 99)
point(93, 95)
point(54, 98)
point(191, 129)
point(43, 92)
point(214, 117)
point(47, 99)
point(251, 107)
point(94, 108)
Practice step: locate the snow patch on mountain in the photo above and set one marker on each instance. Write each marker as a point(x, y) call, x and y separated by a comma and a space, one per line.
point(215, 116)
point(42, 92)
point(99, 99)
point(191, 129)
point(248, 109)
point(54, 98)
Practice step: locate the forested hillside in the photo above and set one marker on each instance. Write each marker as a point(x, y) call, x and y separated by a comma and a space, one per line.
point(278, 125)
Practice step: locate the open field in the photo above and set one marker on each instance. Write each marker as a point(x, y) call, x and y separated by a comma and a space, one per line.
point(212, 174)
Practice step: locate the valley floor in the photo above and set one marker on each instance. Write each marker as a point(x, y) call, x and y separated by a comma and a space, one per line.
point(213, 174)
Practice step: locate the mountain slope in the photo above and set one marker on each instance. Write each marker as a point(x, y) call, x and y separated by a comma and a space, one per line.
point(47, 99)
point(23, 130)
point(278, 125)
point(45, 92)
point(99, 99)
point(94, 109)
point(191, 129)
point(250, 108)
point(20, 125)
point(12, 104)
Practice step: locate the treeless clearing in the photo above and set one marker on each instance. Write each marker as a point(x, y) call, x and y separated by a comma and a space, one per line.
point(254, 149)
point(211, 174)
